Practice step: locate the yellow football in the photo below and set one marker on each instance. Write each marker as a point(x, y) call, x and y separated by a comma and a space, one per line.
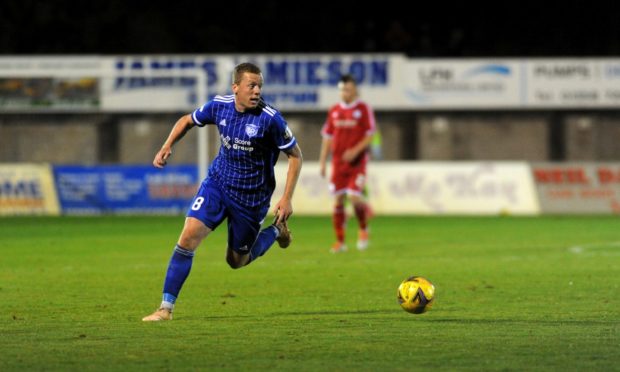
point(416, 294)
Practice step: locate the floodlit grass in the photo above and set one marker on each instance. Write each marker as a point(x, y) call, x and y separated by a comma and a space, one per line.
point(512, 294)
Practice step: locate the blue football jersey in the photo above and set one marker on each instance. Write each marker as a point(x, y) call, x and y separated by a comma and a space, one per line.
point(250, 143)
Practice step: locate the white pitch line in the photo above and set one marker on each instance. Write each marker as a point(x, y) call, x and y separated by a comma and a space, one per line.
point(577, 249)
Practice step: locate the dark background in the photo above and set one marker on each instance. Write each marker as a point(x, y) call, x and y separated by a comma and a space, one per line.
point(465, 29)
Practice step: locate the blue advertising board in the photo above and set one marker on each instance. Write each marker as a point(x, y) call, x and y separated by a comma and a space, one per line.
point(125, 189)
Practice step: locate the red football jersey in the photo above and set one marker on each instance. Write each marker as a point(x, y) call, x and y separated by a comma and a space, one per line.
point(347, 125)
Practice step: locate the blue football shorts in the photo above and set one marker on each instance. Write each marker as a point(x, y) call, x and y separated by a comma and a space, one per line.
point(212, 206)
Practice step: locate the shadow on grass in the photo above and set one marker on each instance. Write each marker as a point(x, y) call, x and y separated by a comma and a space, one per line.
point(333, 312)
point(254, 317)
point(421, 318)
point(523, 321)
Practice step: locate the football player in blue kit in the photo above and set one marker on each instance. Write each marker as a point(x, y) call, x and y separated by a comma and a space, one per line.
point(240, 181)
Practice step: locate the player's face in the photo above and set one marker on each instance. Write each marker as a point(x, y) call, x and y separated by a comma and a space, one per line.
point(247, 92)
point(348, 91)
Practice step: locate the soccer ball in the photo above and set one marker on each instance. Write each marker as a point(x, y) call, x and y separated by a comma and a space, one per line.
point(416, 294)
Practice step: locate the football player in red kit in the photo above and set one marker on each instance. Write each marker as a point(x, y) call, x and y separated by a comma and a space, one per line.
point(347, 134)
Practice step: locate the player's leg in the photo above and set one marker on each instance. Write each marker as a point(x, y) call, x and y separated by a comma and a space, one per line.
point(179, 266)
point(360, 207)
point(205, 214)
point(338, 188)
point(182, 258)
point(339, 221)
point(361, 213)
point(243, 232)
point(369, 211)
point(245, 242)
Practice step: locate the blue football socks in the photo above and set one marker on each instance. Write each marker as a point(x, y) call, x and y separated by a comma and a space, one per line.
point(178, 270)
point(263, 242)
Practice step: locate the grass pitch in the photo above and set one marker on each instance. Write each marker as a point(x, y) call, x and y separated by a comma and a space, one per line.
point(512, 294)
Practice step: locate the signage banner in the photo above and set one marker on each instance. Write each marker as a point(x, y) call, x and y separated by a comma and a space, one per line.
point(485, 188)
point(292, 81)
point(578, 187)
point(306, 82)
point(460, 84)
point(125, 189)
point(571, 83)
point(27, 189)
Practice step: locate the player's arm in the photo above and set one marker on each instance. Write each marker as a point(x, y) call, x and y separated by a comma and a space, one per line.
point(284, 208)
point(352, 153)
point(179, 129)
point(326, 145)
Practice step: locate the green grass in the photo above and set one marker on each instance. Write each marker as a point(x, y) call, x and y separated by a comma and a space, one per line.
point(512, 294)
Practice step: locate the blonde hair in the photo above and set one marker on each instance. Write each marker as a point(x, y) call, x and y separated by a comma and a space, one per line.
point(242, 68)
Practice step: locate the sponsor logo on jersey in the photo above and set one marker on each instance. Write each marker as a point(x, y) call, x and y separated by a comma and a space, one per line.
point(243, 145)
point(345, 123)
point(225, 141)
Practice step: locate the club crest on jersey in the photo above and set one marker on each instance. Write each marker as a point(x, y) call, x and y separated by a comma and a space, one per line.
point(357, 114)
point(251, 130)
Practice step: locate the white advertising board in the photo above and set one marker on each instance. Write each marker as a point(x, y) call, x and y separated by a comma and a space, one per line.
point(459, 84)
point(306, 82)
point(426, 188)
point(572, 83)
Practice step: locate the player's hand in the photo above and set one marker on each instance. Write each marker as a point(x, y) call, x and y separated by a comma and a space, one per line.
point(322, 170)
point(283, 210)
point(349, 155)
point(161, 158)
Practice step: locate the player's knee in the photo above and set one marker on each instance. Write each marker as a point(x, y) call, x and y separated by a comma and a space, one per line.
point(189, 241)
point(235, 261)
point(356, 200)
